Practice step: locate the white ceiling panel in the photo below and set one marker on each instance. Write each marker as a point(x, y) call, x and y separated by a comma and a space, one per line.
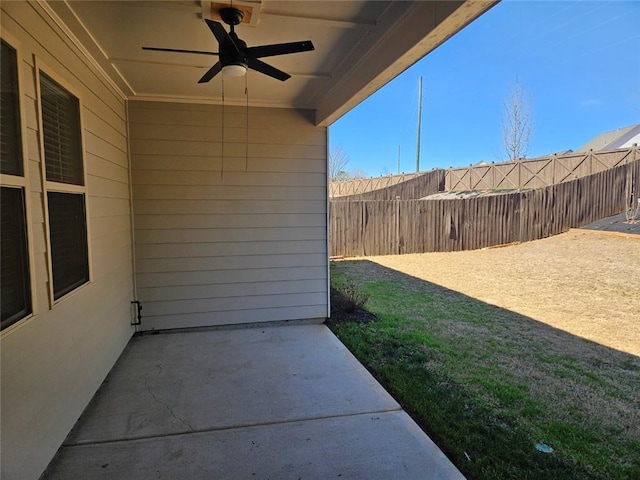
point(349, 38)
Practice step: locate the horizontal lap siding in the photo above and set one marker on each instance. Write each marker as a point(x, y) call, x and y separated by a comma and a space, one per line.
point(230, 239)
point(53, 363)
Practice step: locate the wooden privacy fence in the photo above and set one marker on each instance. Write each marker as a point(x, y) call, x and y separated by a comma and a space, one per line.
point(361, 228)
point(362, 185)
point(539, 172)
point(416, 187)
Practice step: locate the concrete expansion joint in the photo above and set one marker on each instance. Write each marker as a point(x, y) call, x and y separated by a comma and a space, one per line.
point(373, 414)
point(232, 326)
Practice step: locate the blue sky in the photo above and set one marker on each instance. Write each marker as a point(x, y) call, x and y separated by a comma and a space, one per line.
point(579, 63)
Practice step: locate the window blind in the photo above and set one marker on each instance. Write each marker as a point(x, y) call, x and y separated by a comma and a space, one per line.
point(10, 144)
point(16, 293)
point(61, 131)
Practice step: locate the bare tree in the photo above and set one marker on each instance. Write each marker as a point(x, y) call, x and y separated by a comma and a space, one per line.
point(516, 123)
point(353, 174)
point(356, 174)
point(338, 160)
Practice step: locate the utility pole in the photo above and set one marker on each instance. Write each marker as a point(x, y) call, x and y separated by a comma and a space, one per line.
point(419, 123)
point(398, 159)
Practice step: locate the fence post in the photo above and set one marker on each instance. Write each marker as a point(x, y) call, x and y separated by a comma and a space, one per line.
point(493, 175)
point(397, 213)
point(519, 164)
point(520, 217)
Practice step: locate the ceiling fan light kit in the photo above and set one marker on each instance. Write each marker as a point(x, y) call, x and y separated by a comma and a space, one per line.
point(234, 70)
point(234, 55)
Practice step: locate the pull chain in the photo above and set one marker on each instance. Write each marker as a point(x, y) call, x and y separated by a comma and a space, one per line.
point(222, 149)
point(246, 147)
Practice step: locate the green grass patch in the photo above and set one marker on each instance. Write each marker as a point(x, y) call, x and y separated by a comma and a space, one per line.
point(487, 384)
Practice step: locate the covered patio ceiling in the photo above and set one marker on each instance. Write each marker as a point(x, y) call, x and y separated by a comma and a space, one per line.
point(359, 46)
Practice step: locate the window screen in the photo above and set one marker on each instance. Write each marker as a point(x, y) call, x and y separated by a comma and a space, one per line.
point(69, 254)
point(16, 293)
point(10, 146)
point(61, 129)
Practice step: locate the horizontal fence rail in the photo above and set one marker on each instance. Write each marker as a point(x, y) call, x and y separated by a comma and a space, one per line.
point(538, 172)
point(370, 227)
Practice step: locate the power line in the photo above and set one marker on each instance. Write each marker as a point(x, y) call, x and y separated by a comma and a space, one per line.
point(604, 47)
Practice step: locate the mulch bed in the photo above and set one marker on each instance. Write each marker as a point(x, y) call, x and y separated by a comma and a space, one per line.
point(339, 313)
point(615, 223)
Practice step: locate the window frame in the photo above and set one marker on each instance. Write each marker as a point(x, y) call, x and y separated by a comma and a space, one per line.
point(22, 182)
point(57, 187)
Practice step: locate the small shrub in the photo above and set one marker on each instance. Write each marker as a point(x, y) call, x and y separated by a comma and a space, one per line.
point(354, 296)
point(632, 214)
point(632, 210)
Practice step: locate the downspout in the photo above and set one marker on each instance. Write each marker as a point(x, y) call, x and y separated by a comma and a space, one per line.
point(137, 319)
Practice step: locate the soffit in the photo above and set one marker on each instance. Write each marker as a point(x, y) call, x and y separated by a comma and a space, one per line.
point(359, 46)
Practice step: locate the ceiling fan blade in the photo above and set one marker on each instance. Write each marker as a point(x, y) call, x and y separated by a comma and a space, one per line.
point(262, 67)
point(221, 34)
point(218, 31)
point(280, 49)
point(177, 50)
point(212, 72)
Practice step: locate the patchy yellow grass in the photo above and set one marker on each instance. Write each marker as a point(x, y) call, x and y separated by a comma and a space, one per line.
point(583, 283)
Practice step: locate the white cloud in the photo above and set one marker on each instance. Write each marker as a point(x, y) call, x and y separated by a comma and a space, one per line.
point(591, 102)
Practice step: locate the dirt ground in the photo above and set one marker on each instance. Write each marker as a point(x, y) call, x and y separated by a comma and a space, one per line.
point(585, 283)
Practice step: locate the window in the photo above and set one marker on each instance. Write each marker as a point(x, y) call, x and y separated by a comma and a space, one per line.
point(16, 293)
point(68, 242)
point(14, 252)
point(11, 146)
point(64, 173)
point(61, 131)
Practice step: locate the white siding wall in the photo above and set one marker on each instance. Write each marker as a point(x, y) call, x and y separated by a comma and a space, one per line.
point(52, 363)
point(247, 244)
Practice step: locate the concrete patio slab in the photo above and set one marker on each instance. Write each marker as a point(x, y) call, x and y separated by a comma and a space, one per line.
point(381, 446)
point(274, 402)
point(193, 381)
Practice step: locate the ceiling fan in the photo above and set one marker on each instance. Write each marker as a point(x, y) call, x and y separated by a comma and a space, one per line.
point(234, 55)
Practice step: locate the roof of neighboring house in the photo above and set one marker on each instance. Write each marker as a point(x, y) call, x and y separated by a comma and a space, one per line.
point(619, 138)
point(547, 155)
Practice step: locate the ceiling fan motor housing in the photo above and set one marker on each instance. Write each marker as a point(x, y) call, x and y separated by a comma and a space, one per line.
point(229, 55)
point(231, 16)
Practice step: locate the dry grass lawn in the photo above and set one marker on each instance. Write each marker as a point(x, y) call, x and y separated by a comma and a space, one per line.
point(587, 284)
point(493, 350)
